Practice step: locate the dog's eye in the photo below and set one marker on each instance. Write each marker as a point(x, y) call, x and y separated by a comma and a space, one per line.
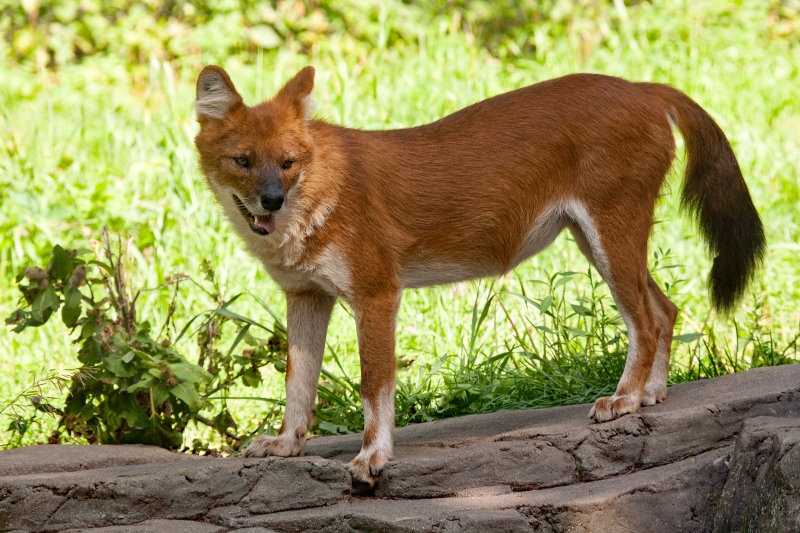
point(242, 161)
point(287, 164)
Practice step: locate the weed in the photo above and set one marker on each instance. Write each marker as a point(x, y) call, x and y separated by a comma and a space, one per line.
point(133, 387)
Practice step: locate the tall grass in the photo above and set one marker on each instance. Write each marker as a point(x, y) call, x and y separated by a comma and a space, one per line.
point(105, 138)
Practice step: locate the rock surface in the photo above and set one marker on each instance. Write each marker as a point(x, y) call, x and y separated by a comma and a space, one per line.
point(762, 492)
point(72, 457)
point(677, 466)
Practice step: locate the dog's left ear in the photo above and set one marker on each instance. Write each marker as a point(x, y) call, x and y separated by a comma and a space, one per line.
point(296, 94)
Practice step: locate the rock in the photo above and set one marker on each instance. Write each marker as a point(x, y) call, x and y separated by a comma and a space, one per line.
point(675, 497)
point(548, 470)
point(762, 493)
point(442, 458)
point(158, 526)
point(217, 488)
point(72, 457)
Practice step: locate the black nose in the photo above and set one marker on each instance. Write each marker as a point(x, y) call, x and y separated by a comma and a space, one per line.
point(272, 198)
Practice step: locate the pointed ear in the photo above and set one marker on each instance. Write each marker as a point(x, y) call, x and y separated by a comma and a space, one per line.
point(297, 93)
point(216, 94)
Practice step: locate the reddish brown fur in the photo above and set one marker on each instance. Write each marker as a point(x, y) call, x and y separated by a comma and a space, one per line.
point(456, 199)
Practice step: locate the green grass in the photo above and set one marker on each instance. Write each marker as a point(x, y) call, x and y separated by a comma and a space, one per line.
point(106, 140)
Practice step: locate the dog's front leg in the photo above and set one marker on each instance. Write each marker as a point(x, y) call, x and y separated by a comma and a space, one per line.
point(375, 321)
point(307, 316)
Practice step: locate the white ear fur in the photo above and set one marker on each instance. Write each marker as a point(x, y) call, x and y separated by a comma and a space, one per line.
point(213, 97)
point(309, 106)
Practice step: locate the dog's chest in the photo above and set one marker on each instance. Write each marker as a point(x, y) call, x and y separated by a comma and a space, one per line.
point(288, 255)
point(327, 270)
point(297, 268)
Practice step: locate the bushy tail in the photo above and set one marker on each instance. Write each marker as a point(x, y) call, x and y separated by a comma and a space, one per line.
point(714, 192)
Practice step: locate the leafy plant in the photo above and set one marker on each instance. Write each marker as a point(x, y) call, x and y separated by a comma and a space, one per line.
point(132, 387)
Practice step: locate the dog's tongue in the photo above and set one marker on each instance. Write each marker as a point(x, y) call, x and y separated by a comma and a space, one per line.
point(266, 222)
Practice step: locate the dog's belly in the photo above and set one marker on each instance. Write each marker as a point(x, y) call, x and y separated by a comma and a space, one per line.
point(425, 274)
point(426, 271)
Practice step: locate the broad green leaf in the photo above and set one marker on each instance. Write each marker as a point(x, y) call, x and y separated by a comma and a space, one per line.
point(72, 306)
point(186, 392)
point(104, 266)
point(61, 264)
point(91, 352)
point(251, 378)
point(157, 433)
point(160, 393)
point(126, 406)
point(330, 427)
point(45, 303)
point(188, 372)
point(143, 384)
point(115, 364)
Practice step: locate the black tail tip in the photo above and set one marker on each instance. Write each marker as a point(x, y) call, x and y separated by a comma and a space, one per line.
point(732, 273)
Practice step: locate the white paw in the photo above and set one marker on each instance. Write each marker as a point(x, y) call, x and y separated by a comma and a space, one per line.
point(286, 445)
point(654, 394)
point(611, 407)
point(366, 467)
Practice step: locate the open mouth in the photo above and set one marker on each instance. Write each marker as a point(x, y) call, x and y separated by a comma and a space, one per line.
point(260, 224)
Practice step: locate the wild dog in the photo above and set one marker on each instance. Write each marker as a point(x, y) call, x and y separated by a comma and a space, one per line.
point(334, 212)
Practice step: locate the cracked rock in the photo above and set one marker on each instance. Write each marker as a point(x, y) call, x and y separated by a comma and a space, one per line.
point(184, 490)
point(762, 493)
point(548, 470)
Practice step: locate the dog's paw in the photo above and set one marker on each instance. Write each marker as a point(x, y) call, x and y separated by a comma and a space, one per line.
point(282, 446)
point(366, 469)
point(611, 407)
point(654, 395)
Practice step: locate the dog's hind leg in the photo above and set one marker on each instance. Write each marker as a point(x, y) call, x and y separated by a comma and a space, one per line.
point(621, 258)
point(655, 390)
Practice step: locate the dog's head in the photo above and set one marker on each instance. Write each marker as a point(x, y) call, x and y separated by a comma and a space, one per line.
point(253, 155)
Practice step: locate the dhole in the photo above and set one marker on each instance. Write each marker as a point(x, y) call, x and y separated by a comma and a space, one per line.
point(334, 212)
